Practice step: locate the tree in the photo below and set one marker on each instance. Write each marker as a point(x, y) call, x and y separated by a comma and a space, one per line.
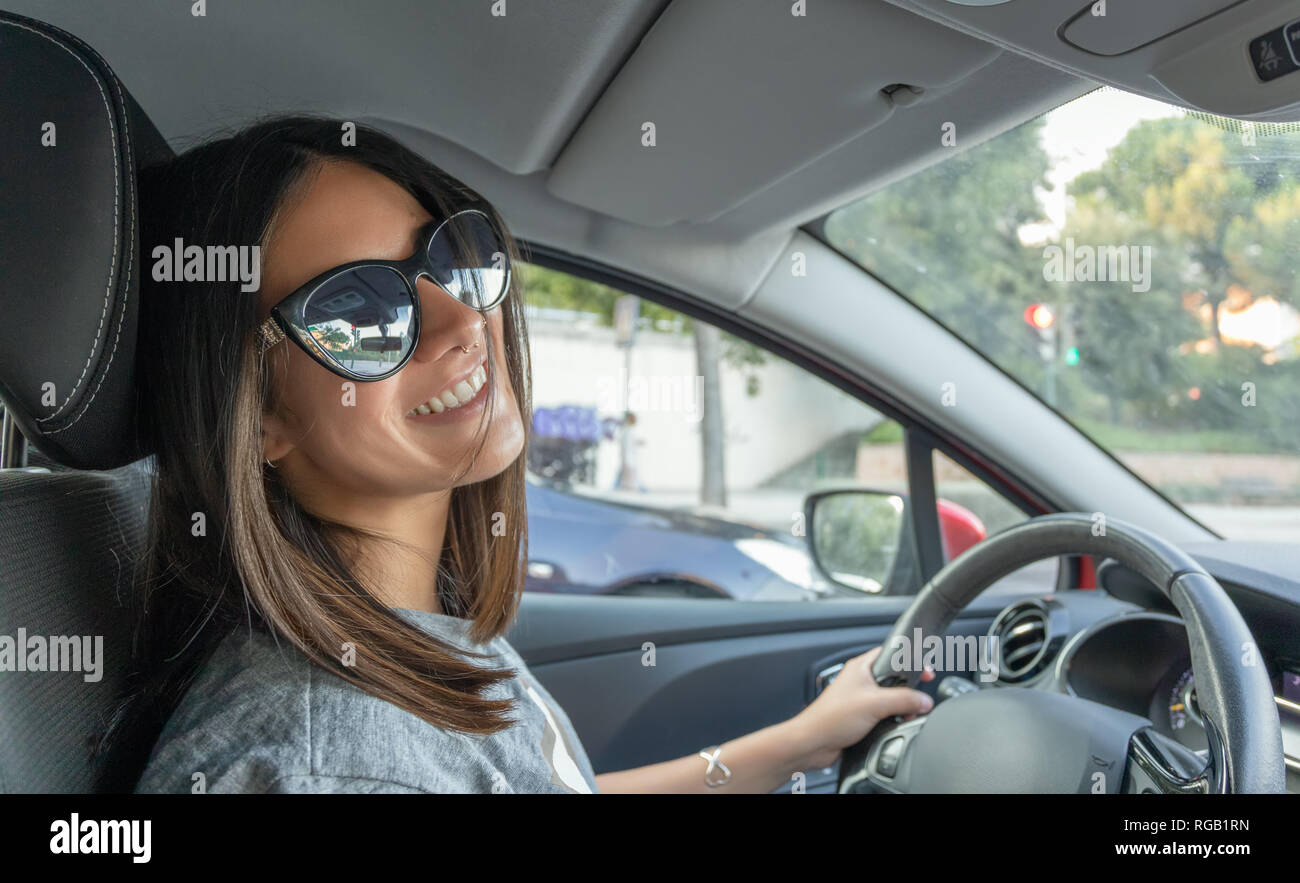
point(1175, 177)
point(1219, 213)
point(1259, 246)
point(948, 239)
point(713, 484)
point(332, 337)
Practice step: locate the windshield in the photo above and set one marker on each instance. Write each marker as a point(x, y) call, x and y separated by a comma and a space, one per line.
point(1133, 265)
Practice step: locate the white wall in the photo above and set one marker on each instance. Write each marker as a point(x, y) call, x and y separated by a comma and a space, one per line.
point(794, 413)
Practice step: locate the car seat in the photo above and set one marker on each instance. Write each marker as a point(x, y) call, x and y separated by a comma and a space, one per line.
point(69, 279)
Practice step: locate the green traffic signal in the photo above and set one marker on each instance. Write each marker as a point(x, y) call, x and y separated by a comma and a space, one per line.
point(1072, 356)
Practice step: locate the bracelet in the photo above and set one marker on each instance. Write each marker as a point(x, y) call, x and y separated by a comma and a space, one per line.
point(711, 755)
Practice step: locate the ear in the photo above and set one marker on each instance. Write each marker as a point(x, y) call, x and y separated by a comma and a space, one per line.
point(275, 437)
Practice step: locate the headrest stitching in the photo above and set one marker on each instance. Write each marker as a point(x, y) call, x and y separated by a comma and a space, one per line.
point(130, 254)
point(117, 189)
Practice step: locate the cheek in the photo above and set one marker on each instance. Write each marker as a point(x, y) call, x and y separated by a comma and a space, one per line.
point(348, 432)
point(501, 369)
point(506, 435)
point(337, 421)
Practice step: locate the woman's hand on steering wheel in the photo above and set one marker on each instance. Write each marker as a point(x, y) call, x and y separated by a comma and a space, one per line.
point(851, 705)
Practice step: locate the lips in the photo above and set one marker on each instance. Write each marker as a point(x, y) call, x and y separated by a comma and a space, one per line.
point(459, 392)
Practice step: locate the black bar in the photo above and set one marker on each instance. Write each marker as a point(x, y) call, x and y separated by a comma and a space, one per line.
point(924, 505)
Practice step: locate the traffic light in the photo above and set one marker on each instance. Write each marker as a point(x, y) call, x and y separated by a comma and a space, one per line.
point(1041, 318)
point(1071, 334)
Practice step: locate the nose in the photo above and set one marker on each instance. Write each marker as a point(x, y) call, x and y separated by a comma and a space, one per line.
point(446, 324)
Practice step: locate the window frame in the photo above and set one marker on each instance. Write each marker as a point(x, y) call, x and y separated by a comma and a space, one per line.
point(921, 437)
point(816, 228)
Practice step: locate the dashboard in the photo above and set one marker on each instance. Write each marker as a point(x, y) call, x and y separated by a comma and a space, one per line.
point(1125, 647)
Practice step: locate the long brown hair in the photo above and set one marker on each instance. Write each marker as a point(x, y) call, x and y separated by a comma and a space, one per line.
point(264, 562)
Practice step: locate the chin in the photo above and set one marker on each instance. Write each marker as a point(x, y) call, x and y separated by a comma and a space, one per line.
point(504, 446)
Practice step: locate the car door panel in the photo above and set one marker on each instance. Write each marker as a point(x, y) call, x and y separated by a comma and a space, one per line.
point(649, 680)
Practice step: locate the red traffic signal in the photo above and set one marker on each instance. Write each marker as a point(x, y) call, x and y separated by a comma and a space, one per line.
point(1039, 316)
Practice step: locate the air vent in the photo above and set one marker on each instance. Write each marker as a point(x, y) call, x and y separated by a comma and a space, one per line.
point(1023, 636)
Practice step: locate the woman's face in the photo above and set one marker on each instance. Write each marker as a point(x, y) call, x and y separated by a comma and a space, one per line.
point(337, 440)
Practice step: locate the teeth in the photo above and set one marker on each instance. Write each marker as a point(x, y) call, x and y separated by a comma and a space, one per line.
point(455, 397)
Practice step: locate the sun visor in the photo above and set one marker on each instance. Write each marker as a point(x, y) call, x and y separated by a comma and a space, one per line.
point(1128, 24)
point(699, 119)
point(1235, 58)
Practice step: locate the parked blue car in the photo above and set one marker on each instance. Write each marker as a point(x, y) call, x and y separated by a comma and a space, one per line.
point(583, 545)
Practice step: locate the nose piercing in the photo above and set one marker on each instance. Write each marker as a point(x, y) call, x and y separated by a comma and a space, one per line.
point(465, 349)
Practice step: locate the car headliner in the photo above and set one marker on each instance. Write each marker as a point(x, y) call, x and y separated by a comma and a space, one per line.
point(541, 109)
point(764, 119)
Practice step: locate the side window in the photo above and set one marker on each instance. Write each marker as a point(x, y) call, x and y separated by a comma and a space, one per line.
point(969, 511)
point(671, 459)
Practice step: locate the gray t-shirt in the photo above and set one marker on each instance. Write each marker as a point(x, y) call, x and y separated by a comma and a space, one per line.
point(261, 717)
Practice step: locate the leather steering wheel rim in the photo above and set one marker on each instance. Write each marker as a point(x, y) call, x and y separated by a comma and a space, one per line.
point(1234, 692)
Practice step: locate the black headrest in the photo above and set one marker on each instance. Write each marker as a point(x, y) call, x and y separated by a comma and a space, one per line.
point(73, 140)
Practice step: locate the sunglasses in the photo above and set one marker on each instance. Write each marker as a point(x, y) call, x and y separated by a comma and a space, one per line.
point(361, 320)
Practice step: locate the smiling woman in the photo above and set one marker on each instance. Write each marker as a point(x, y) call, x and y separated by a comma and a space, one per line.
point(338, 541)
point(368, 513)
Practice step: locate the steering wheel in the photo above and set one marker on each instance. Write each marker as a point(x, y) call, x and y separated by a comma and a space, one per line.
point(1006, 739)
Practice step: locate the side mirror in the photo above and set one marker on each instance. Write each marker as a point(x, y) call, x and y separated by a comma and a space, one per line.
point(959, 527)
point(855, 536)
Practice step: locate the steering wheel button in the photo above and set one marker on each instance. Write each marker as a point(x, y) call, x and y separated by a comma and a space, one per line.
point(890, 752)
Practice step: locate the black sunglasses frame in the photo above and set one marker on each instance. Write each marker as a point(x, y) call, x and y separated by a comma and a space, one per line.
point(288, 316)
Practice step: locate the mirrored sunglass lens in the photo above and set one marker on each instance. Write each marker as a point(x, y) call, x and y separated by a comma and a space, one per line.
point(469, 261)
point(362, 319)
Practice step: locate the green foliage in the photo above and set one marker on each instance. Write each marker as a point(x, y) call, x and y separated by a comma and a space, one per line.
point(1219, 216)
point(544, 287)
point(948, 238)
point(886, 432)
